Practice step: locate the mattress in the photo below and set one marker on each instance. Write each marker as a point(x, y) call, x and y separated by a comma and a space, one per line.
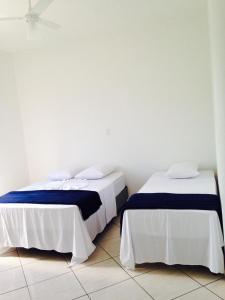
point(205, 183)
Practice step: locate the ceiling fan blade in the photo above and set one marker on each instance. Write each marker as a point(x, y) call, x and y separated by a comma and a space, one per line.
point(11, 18)
point(48, 24)
point(40, 7)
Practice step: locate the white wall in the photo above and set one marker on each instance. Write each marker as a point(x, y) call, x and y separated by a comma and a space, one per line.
point(138, 100)
point(217, 27)
point(13, 165)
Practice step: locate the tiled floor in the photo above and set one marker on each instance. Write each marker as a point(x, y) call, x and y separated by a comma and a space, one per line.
point(34, 274)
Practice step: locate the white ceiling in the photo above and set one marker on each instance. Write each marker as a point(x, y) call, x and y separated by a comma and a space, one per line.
point(88, 18)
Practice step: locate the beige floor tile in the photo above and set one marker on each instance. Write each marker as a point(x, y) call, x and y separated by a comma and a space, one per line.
point(218, 287)
point(112, 246)
point(112, 231)
point(166, 283)
point(11, 279)
point(116, 221)
point(199, 294)
point(101, 275)
point(127, 290)
point(21, 294)
point(200, 274)
point(6, 250)
point(65, 287)
point(140, 269)
point(9, 260)
point(28, 256)
point(36, 272)
point(97, 256)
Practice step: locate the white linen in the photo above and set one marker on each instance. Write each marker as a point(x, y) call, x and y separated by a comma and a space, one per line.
point(159, 183)
point(45, 227)
point(60, 227)
point(71, 184)
point(186, 169)
point(95, 172)
point(191, 237)
point(172, 237)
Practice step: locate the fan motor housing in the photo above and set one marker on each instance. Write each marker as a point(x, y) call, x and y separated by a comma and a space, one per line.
point(31, 18)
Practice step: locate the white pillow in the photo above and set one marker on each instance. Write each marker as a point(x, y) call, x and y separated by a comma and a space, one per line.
point(186, 169)
point(95, 172)
point(61, 175)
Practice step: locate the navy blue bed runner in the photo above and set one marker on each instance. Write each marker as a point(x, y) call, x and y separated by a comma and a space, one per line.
point(173, 201)
point(88, 201)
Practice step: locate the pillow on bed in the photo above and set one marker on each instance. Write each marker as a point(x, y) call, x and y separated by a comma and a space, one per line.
point(61, 175)
point(95, 172)
point(183, 170)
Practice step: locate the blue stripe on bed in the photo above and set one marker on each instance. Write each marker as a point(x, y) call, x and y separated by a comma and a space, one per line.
point(173, 201)
point(88, 201)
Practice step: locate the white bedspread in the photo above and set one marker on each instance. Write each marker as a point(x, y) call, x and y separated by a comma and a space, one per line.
point(159, 183)
point(60, 227)
point(189, 237)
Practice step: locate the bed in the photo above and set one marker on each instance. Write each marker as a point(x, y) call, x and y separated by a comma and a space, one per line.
point(174, 236)
point(61, 227)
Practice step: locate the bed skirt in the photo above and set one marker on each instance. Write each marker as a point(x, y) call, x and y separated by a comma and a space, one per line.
point(173, 237)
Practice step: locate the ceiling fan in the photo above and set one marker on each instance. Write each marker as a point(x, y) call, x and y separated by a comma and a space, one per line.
point(32, 17)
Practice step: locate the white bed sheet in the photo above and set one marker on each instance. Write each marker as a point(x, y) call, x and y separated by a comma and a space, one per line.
point(60, 227)
point(160, 183)
point(190, 237)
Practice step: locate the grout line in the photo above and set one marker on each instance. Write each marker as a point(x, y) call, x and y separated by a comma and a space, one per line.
point(81, 297)
point(106, 239)
point(132, 278)
point(213, 292)
point(143, 288)
point(23, 272)
point(203, 285)
point(198, 288)
point(212, 281)
point(20, 288)
point(110, 257)
point(188, 276)
point(11, 268)
point(81, 285)
point(108, 286)
point(78, 297)
point(43, 280)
